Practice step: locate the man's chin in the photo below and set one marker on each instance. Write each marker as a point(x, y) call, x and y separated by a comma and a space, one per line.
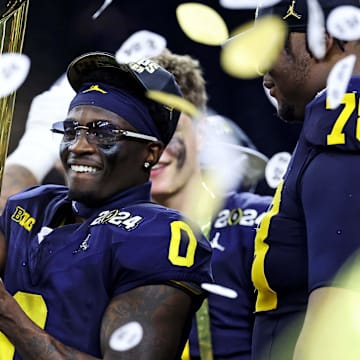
point(87, 198)
point(289, 115)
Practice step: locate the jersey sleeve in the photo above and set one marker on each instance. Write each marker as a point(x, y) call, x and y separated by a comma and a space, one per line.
point(334, 128)
point(331, 201)
point(161, 249)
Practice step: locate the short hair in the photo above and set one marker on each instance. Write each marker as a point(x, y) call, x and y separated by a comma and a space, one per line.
point(188, 74)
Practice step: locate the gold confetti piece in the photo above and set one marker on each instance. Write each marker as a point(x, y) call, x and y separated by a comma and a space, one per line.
point(255, 49)
point(202, 24)
point(335, 330)
point(173, 101)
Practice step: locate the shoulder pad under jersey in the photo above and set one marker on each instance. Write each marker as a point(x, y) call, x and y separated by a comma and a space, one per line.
point(336, 128)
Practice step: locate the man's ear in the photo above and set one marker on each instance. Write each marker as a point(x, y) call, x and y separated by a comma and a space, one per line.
point(155, 149)
point(334, 48)
point(329, 42)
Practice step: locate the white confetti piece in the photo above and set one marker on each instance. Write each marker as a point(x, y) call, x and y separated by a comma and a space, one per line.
point(316, 29)
point(102, 8)
point(246, 4)
point(14, 68)
point(344, 23)
point(338, 80)
point(276, 168)
point(271, 98)
point(126, 337)
point(220, 290)
point(139, 46)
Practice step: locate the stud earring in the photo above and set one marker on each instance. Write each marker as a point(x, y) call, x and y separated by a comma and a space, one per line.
point(146, 164)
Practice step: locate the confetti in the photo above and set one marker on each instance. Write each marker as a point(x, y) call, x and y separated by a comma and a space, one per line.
point(202, 24)
point(276, 168)
point(126, 337)
point(344, 23)
point(272, 100)
point(220, 290)
point(338, 80)
point(102, 8)
point(246, 4)
point(173, 101)
point(335, 329)
point(140, 46)
point(254, 50)
point(316, 29)
point(14, 69)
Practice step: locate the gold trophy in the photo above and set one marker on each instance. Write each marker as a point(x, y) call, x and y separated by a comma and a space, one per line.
point(13, 16)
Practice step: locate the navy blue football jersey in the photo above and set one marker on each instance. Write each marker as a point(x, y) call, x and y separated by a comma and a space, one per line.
point(232, 238)
point(309, 231)
point(64, 274)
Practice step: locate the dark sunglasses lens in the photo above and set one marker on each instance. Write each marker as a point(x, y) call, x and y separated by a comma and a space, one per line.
point(69, 131)
point(102, 133)
point(98, 132)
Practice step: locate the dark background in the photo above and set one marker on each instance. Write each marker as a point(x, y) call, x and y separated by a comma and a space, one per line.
point(58, 30)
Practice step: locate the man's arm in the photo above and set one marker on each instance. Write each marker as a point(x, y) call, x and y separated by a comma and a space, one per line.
point(331, 200)
point(161, 310)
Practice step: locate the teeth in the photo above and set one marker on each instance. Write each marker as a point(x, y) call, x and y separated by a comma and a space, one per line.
point(157, 166)
point(83, 169)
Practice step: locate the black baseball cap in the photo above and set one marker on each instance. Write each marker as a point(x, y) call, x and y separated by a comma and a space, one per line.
point(136, 78)
point(295, 12)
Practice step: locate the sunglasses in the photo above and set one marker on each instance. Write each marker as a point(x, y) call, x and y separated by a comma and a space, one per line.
point(98, 132)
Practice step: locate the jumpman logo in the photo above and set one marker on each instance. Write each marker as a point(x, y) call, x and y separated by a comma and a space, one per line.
point(95, 88)
point(215, 242)
point(291, 11)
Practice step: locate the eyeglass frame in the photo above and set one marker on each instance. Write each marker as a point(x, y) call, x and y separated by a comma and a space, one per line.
point(120, 132)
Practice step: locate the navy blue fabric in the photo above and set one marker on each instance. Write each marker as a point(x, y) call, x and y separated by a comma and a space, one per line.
point(119, 102)
point(76, 269)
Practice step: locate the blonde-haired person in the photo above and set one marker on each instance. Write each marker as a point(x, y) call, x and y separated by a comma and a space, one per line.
point(178, 181)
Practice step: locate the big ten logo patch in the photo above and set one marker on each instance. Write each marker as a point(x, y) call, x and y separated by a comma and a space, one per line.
point(145, 65)
point(23, 218)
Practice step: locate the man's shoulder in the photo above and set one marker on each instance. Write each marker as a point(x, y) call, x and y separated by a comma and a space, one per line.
point(144, 218)
point(335, 127)
point(247, 199)
point(40, 191)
